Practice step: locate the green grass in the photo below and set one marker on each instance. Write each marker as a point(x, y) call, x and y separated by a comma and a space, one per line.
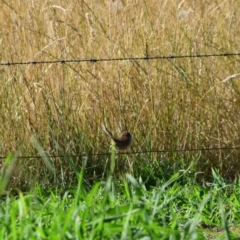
point(178, 208)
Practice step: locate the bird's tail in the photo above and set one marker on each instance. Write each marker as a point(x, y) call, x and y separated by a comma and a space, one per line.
point(107, 131)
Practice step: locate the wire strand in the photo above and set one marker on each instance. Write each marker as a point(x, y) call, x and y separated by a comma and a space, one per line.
point(129, 153)
point(94, 60)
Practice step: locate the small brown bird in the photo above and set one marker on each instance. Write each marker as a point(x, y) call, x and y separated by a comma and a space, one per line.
point(123, 142)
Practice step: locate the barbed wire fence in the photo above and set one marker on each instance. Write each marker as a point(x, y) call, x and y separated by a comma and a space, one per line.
point(146, 58)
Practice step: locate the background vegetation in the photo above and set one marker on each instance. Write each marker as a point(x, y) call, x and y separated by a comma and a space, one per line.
point(168, 104)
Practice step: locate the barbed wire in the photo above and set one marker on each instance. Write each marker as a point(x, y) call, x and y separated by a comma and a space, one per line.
point(95, 60)
point(86, 155)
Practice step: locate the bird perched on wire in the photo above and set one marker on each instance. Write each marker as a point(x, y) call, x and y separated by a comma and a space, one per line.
point(123, 142)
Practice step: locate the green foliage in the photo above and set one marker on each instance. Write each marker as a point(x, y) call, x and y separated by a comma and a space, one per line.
point(6, 171)
point(124, 210)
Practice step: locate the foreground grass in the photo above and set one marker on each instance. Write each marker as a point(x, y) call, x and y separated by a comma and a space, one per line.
point(125, 210)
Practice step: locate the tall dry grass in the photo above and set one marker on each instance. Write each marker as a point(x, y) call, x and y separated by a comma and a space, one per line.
point(166, 104)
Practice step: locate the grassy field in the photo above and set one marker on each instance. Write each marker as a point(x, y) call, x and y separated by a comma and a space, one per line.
point(167, 104)
point(51, 116)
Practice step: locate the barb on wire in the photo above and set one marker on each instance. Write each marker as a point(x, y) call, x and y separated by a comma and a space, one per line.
point(131, 153)
point(94, 60)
